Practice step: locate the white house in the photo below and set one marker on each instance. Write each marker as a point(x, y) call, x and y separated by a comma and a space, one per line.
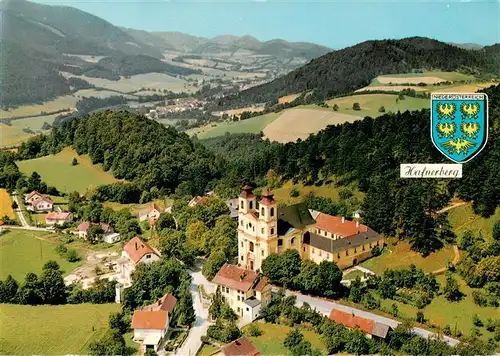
point(134, 252)
point(55, 218)
point(152, 213)
point(109, 235)
point(111, 238)
point(32, 197)
point(43, 204)
point(150, 327)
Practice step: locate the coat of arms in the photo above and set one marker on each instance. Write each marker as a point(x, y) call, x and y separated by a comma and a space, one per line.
point(459, 124)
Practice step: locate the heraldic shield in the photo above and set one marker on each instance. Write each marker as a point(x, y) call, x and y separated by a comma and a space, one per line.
point(459, 124)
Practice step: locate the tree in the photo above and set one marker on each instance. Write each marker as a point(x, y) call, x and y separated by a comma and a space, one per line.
point(195, 235)
point(112, 343)
point(381, 109)
point(8, 290)
point(356, 291)
point(165, 221)
point(451, 289)
point(185, 306)
point(356, 106)
point(335, 107)
point(34, 181)
point(14, 205)
point(72, 255)
point(254, 330)
point(54, 289)
point(328, 279)
point(213, 264)
point(118, 323)
point(294, 192)
point(394, 309)
point(293, 338)
point(420, 318)
point(357, 343)
point(496, 231)
point(95, 234)
point(282, 268)
point(74, 162)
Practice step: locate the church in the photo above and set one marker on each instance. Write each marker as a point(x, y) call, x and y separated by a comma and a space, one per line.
point(264, 228)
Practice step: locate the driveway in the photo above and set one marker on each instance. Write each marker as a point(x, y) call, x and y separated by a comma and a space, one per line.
point(24, 222)
point(325, 306)
point(200, 326)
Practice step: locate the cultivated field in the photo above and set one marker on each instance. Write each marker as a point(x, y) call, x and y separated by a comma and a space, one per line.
point(400, 256)
point(410, 80)
point(273, 335)
point(52, 329)
point(62, 102)
point(6, 205)
point(426, 77)
point(464, 88)
point(288, 98)
point(23, 251)
point(252, 125)
point(13, 134)
point(149, 80)
point(391, 88)
point(136, 208)
point(56, 170)
point(371, 103)
point(300, 123)
point(257, 108)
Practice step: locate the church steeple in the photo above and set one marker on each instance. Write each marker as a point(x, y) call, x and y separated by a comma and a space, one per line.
point(246, 200)
point(268, 207)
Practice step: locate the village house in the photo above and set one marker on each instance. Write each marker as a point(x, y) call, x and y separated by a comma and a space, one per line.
point(368, 326)
point(134, 252)
point(152, 213)
point(239, 347)
point(32, 197)
point(109, 235)
point(37, 202)
point(232, 205)
point(197, 200)
point(263, 229)
point(58, 218)
point(245, 291)
point(150, 327)
point(166, 303)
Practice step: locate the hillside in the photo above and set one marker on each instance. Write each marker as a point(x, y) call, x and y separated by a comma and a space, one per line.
point(227, 43)
point(39, 40)
point(354, 67)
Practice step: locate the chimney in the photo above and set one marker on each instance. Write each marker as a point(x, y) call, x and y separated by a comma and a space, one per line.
point(136, 247)
point(343, 219)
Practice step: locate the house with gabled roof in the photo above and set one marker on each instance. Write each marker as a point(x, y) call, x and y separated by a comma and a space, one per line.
point(240, 347)
point(43, 204)
point(58, 218)
point(150, 327)
point(245, 291)
point(352, 321)
point(134, 252)
point(30, 198)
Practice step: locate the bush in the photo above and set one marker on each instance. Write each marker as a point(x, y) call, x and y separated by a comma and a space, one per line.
point(335, 107)
point(476, 321)
point(447, 330)
point(295, 192)
point(254, 330)
point(74, 162)
point(356, 106)
point(376, 251)
point(72, 256)
point(420, 317)
point(61, 250)
point(381, 109)
point(14, 205)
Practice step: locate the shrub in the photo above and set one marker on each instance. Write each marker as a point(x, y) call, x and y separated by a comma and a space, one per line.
point(376, 251)
point(72, 255)
point(476, 321)
point(447, 330)
point(74, 162)
point(420, 317)
point(381, 109)
point(335, 107)
point(295, 192)
point(254, 330)
point(61, 250)
point(356, 106)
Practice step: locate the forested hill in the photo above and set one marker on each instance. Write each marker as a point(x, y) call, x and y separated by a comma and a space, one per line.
point(354, 67)
point(133, 148)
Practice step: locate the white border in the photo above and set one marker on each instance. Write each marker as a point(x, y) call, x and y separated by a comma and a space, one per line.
point(486, 129)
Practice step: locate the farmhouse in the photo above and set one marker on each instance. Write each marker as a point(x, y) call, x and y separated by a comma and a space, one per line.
point(43, 204)
point(245, 291)
point(134, 252)
point(32, 197)
point(166, 303)
point(352, 321)
point(150, 327)
point(58, 218)
point(152, 213)
point(109, 235)
point(239, 347)
point(264, 228)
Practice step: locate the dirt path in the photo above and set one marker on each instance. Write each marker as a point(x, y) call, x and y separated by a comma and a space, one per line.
point(453, 206)
point(455, 261)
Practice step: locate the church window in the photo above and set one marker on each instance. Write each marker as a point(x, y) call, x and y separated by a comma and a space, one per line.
point(272, 231)
point(292, 241)
point(251, 246)
point(262, 231)
point(262, 212)
point(242, 204)
point(271, 212)
point(251, 204)
point(280, 242)
point(262, 252)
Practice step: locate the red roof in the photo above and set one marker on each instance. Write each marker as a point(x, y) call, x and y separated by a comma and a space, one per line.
point(267, 198)
point(153, 207)
point(53, 215)
point(235, 277)
point(352, 321)
point(166, 303)
point(335, 225)
point(148, 319)
point(32, 193)
point(84, 226)
point(240, 347)
point(44, 199)
point(137, 249)
point(247, 192)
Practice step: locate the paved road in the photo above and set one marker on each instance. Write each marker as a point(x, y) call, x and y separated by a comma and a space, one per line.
point(200, 326)
point(325, 306)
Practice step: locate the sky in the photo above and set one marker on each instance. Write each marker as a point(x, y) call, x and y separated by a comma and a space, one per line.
point(336, 24)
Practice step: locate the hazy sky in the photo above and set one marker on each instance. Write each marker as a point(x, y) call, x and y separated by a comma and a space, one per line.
point(336, 24)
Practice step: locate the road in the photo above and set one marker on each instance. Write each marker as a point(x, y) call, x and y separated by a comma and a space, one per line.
point(200, 326)
point(325, 306)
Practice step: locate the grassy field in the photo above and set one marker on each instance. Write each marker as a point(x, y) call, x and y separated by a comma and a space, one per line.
point(463, 218)
point(13, 134)
point(371, 103)
point(253, 125)
point(410, 77)
point(400, 256)
point(441, 312)
point(21, 252)
point(282, 194)
point(62, 102)
point(6, 205)
point(353, 274)
point(52, 330)
point(300, 122)
point(273, 335)
point(207, 350)
point(56, 170)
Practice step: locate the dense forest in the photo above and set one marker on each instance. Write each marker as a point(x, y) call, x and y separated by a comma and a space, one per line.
point(352, 68)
